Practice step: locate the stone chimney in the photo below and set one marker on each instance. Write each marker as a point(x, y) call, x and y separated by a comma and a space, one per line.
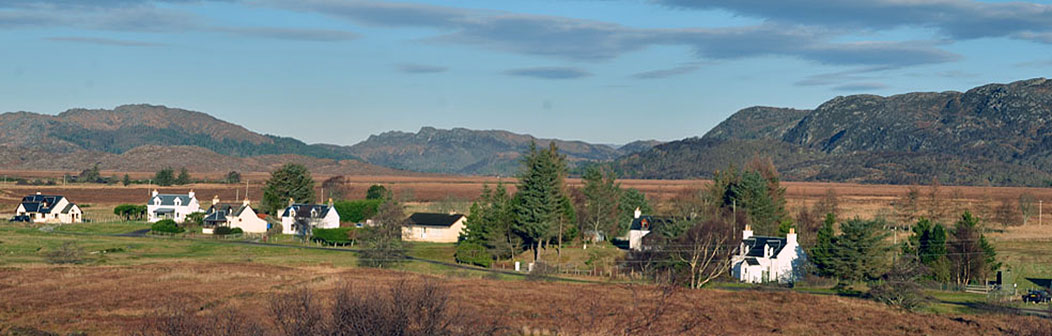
point(38, 193)
point(291, 201)
point(747, 232)
point(154, 194)
point(637, 213)
point(215, 200)
point(330, 201)
point(190, 194)
point(790, 238)
point(245, 202)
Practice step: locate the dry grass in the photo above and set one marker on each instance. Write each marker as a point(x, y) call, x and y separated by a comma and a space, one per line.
point(106, 299)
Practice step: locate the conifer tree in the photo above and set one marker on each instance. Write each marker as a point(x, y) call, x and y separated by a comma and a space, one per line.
point(539, 205)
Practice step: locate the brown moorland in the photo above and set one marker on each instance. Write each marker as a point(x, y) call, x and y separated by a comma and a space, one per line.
point(863, 200)
point(112, 299)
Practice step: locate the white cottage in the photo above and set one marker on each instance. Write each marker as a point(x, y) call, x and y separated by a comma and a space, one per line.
point(641, 227)
point(302, 218)
point(433, 227)
point(234, 216)
point(768, 259)
point(49, 209)
point(171, 206)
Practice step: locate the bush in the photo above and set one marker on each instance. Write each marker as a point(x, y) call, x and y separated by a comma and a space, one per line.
point(473, 253)
point(67, 253)
point(222, 230)
point(358, 210)
point(236, 230)
point(166, 226)
point(337, 236)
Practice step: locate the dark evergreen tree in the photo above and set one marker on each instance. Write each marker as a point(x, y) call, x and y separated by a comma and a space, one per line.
point(126, 180)
point(860, 251)
point(539, 204)
point(971, 255)
point(292, 181)
point(184, 177)
point(164, 177)
point(822, 255)
point(233, 177)
point(376, 191)
point(601, 204)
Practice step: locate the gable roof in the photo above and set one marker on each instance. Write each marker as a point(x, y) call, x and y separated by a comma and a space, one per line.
point(649, 222)
point(41, 203)
point(169, 199)
point(69, 206)
point(755, 245)
point(304, 210)
point(433, 219)
point(220, 212)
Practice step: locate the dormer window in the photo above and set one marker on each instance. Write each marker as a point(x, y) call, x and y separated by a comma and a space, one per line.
point(156, 201)
point(292, 212)
point(178, 202)
point(314, 212)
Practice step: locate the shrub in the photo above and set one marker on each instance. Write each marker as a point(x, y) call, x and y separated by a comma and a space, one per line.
point(67, 253)
point(337, 236)
point(222, 230)
point(167, 226)
point(236, 230)
point(473, 253)
point(358, 210)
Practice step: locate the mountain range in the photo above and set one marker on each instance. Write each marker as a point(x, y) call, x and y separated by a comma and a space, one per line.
point(995, 134)
point(148, 137)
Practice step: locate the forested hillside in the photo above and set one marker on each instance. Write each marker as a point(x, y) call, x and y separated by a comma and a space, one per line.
point(996, 134)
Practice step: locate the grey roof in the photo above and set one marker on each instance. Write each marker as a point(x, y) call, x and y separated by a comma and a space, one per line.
point(169, 199)
point(40, 203)
point(219, 212)
point(304, 210)
point(164, 210)
point(649, 222)
point(755, 245)
point(752, 261)
point(433, 219)
point(69, 206)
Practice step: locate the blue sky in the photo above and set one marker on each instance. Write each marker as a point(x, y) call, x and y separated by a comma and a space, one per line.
point(604, 71)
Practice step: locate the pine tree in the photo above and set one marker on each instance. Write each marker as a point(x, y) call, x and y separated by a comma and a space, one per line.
point(822, 254)
point(184, 177)
point(290, 181)
point(860, 251)
point(126, 180)
point(164, 177)
point(538, 205)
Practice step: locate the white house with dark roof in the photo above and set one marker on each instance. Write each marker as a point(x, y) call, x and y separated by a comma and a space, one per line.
point(171, 206)
point(433, 227)
point(641, 227)
point(49, 209)
point(301, 218)
point(240, 215)
point(768, 259)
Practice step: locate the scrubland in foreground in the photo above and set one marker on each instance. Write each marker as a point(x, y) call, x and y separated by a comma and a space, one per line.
point(118, 299)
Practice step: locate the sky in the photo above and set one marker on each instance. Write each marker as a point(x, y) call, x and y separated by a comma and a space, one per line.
point(602, 71)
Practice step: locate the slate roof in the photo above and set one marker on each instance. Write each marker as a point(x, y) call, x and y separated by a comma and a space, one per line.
point(433, 219)
point(752, 261)
point(69, 206)
point(41, 203)
point(169, 199)
point(755, 245)
point(304, 210)
point(649, 222)
point(219, 212)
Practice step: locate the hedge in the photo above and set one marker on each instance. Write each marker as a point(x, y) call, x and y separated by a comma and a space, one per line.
point(166, 225)
point(225, 230)
point(337, 236)
point(472, 253)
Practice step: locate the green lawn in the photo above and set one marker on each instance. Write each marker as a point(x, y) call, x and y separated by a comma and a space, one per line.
point(104, 227)
point(1025, 259)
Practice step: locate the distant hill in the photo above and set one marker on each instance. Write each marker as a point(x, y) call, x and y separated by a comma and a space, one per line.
point(996, 134)
point(129, 126)
point(464, 151)
point(195, 159)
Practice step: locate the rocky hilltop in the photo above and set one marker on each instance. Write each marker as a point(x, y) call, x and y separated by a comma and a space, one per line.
point(996, 134)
